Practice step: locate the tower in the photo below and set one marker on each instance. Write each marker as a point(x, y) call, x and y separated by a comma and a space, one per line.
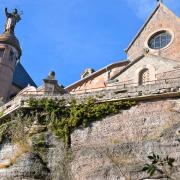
point(10, 53)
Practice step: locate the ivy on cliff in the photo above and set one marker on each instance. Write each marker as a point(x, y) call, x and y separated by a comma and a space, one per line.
point(26, 128)
point(63, 118)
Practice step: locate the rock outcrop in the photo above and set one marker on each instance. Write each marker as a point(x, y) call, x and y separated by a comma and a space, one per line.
point(113, 148)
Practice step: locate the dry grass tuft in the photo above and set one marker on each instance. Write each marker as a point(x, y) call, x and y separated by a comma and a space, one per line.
point(22, 149)
point(5, 165)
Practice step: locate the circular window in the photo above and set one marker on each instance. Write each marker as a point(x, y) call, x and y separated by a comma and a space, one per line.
point(160, 40)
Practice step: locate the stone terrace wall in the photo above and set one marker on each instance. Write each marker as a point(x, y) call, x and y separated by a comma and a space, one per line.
point(170, 87)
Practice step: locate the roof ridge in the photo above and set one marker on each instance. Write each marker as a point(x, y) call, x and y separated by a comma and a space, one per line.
point(129, 65)
point(98, 71)
point(21, 76)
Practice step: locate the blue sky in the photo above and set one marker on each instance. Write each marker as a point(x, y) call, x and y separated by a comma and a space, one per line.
point(68, 36)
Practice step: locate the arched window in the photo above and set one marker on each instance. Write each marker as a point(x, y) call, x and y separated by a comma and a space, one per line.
point(1, 53)
point(144, 76)
point(11, 57)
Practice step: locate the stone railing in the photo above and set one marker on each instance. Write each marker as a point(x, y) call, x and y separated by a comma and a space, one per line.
point(153, 89)
point(11, 106)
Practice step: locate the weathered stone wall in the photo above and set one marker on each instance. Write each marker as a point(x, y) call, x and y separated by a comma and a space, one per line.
point(157, 66)
point(169, 74)
point(119, 91)
point(95, 82)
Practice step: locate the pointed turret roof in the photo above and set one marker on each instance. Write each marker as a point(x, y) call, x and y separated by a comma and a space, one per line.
point(21, 78)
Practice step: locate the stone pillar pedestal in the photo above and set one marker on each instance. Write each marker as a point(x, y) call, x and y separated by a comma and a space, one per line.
point(51, 86)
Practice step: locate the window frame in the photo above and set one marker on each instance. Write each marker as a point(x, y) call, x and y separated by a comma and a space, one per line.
point(141, 82)
point(2, 54)
point(153, 39)
point(11, 56)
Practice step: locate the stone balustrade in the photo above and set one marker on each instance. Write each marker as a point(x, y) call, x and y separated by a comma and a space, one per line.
point(165, 88)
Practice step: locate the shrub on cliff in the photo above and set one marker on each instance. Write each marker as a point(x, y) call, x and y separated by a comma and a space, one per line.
point(62, 118)
point(159, 167)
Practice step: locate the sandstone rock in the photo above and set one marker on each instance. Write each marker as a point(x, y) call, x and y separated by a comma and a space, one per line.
point(113, 148)
point(28, 166)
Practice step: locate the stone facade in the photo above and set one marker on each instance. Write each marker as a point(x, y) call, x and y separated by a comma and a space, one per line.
point(156, 62)
point(114, 147)
point(97, 79)
point(156, 65)
point(161, 19)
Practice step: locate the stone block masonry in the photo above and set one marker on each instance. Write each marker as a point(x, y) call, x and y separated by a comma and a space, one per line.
point(160, 89)
point(162, 19)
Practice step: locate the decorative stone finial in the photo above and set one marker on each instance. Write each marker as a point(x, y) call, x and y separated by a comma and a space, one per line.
point(51, 85)
point(12, 19)
point(87, 72)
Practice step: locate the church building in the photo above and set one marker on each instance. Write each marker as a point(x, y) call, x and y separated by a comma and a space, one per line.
point(119, 122)
point(152, 56)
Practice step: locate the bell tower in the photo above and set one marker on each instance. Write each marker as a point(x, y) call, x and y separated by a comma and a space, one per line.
point(10, 53)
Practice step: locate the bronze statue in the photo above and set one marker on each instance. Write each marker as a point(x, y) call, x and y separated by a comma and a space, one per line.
point(12, 19)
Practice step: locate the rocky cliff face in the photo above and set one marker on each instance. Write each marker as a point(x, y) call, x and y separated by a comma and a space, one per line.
point(114, 148)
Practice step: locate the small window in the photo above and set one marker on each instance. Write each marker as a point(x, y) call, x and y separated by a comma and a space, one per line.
point(1, 53)
point(160, 40)
point(144, 77)
point(11, 58)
